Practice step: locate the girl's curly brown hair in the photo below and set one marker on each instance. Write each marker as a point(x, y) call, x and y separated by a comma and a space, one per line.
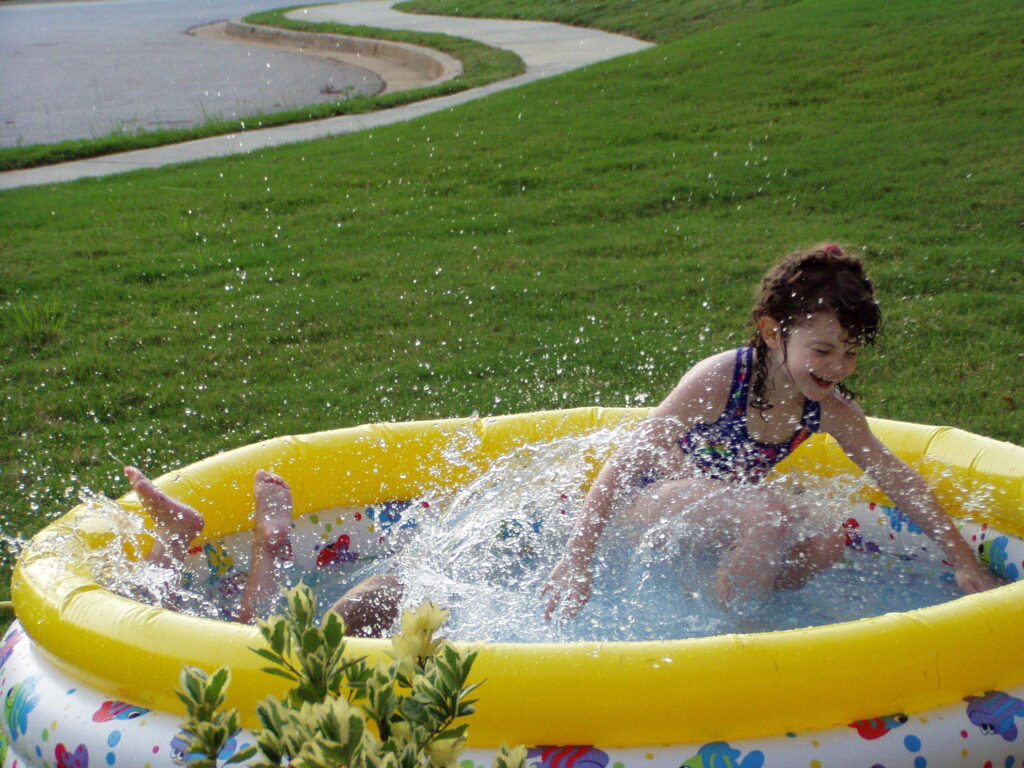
point(819, 279)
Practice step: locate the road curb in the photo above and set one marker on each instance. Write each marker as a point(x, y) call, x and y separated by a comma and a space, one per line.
point(396, 63)
point(546, 49)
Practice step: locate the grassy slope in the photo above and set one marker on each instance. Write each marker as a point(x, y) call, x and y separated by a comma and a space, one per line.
point(576, 241)
point(658, 20)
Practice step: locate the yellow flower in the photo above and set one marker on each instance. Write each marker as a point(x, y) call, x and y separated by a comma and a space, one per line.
point(410, 647)
point(511, 756)
point(444, 752)
point(427, 618)
point(416, 640)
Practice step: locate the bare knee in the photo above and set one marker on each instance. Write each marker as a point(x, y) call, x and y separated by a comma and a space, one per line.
point(811, 557)
point(370, 608)
point(827, 549)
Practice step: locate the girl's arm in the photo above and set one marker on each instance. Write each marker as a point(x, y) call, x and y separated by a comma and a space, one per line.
point(703, 389)
point(908, 490)
point(570, 582)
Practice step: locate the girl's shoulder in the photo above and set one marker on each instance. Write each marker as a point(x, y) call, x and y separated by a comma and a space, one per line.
point(721, 363)
point(713, 373)
point(703, 391)
point(840, 414)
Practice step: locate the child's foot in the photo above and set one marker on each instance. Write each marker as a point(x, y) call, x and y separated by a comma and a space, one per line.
point(271, 547)
point(273, 515)
point(176, 523)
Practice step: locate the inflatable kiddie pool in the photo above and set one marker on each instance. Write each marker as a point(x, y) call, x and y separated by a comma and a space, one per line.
point(88, 677)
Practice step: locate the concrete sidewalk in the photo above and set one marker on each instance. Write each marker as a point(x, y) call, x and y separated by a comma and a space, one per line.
point(546, 49)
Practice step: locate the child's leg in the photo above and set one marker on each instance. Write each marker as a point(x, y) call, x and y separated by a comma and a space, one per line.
point(750, 567)
point(271, 547)
point(371, 606)
point(700, 503)
point(763, 558)
point(744, 523)
point(753, 524)
point(809, 558)
point(176, 524)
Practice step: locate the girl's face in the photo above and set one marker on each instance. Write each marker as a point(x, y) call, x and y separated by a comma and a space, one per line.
point(814, 357)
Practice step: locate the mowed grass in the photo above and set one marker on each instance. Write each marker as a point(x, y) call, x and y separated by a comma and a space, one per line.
point(579, 241)
point(659, 20)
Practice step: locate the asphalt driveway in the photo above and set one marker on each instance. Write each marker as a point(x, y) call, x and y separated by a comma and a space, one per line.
point(84, 69)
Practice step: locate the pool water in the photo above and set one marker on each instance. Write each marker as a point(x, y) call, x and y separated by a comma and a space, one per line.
point(656, 600)
point(485, 550)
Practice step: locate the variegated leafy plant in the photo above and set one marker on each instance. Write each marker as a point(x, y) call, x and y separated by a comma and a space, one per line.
point(341, 711)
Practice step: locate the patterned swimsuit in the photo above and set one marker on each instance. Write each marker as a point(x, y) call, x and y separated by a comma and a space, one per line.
point(726, 451)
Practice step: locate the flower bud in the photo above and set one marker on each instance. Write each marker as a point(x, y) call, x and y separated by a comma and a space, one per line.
point(444, 752)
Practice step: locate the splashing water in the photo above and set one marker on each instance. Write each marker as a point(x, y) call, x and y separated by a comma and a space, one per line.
point(120, 565)
point(488, 554)
point(484, 551)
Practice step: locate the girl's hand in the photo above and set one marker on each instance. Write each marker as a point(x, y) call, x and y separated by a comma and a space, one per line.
point(973, 577)
point(569, 585)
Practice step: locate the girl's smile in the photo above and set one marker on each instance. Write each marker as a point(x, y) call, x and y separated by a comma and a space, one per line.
point(823, 383)
point(813, 357)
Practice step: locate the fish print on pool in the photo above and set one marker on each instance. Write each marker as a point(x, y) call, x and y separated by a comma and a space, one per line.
point(20, 700)
point(994, 713)
point(117, 710)
point(338, 551)
point(993, 554)
point(718, 754)
point(572, 756)
point(77, 759)
point(8, 647)
point(877, 727)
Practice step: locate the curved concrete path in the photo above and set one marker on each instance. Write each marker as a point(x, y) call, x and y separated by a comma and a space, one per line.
point(80, 69)
point(546, 49)
point(399, 66)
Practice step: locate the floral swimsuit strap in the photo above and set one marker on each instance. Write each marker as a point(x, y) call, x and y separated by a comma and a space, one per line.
point(810, 420)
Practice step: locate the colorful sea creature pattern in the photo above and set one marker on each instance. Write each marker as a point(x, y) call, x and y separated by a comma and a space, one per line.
point(77, 759)
point(117, 710)
point(219, 561)
point(389, 516)
point(855, 538)
point(897, 519)
point(993, 553)
point(573, 756)
point(719, 754)
point(877, 727)
point(994, 713)
point(20, 700)
point(8, 645)
point(339, 551)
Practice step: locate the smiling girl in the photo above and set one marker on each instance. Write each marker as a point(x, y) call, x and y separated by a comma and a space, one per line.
point(705, 451)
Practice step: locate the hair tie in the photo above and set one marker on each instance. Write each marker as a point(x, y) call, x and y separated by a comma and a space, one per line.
point(832, 250)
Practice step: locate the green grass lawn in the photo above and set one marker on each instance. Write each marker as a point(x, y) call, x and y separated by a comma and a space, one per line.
point(658, 20)
point(580, 240)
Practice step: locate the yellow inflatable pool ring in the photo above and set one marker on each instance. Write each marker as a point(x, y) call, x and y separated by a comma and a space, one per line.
point(736, 696)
